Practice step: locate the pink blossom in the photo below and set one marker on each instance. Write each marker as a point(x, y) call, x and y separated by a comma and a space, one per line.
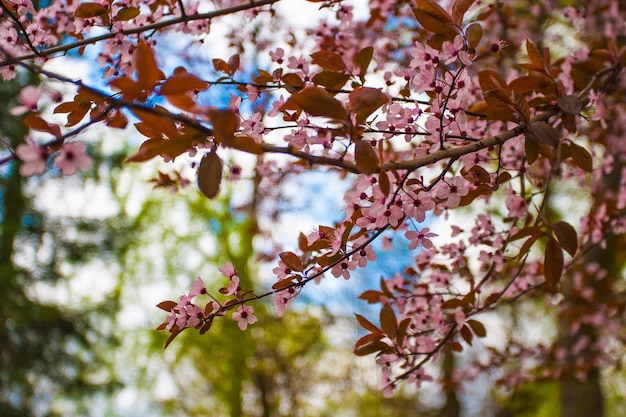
point(33, 159)
point(228, 270)
point(197, 288)
point(29, 97)
point(453, 191)
point(72, 158)
point(453, 50)
point(420, 238)
point(244, 316)
point(343, 268)
point(233, 287)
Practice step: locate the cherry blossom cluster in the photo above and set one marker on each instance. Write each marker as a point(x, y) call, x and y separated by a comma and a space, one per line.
point(430, 113)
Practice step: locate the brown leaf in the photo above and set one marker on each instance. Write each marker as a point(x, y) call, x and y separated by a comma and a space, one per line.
point(225, 124)
point(570, 104)
point(148, 73)
point(582, 157)
point(473, 34)
point(292, 261)
point(368, 345)
point(388, 321)
point(459, 8)
point(363, 59)
point(329, 79)
point(366, 100)
point(210, 175)
point(89, 10)
point(329, 60)
point(127, 13)
point(566, 236)
point(366, 324)
point(318, 102)
point(435, 19)
point(246, 144)
point(478, 328)
point(366, 158)
point(182, 82)
point(167, 305)
point(553, 264)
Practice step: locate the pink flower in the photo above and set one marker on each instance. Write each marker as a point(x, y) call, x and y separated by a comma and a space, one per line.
point(244, 316)
point(33, 159)
point(420, 238)
point(197, 288)
point(228, 270)
point(233, 287)
point(72, 158)
point(453, 191)
point(29, 96)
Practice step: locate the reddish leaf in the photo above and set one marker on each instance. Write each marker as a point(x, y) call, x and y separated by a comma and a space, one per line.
point(459, 8)
point(363, 59)
point(366, 158)
point(473, 34)
point(220, 65)
point(388, 321)
point(434, 19)
point(167, 305)
point(127, 13)
point(467, 335)
point(478, 328)
point(292, 80)
point(182, 82)
point(365, 100)
point(148, 73)
point(366, 324)
point(582, 157)
point(553, 264)
point(566, 236)
point(206, 326)
point(37, 123)
point(368, 345)
point(292, 261)
point(210, 175)
point(233, 64)
point(329, 60)
point(283, 283)
point(90, 10)
point(332, 80)
point(225, 124)
point(171, 338)
point(371, 296)
point(158, 147)
point(247, 144)
point(317, 102)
